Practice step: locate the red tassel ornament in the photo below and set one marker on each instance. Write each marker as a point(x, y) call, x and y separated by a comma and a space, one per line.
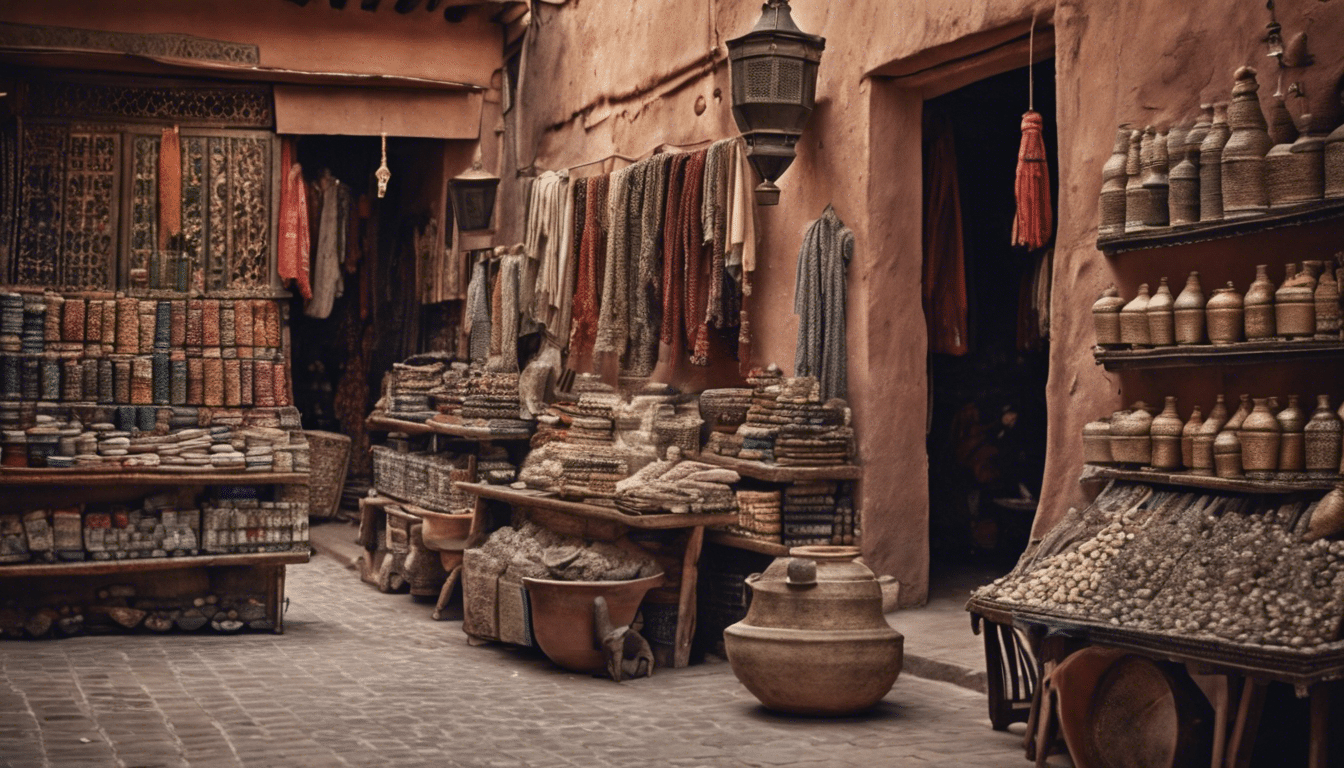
point(1035, 216)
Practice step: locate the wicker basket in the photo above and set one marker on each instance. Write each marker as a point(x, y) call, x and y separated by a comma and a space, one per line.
point(680, 431)
point(330, 460)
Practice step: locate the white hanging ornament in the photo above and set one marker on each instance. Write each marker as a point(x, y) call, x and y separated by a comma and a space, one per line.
point(383, 174)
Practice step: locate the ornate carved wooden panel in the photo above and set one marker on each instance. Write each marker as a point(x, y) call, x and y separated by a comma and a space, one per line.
point(41, 204)
point(242, 106)
point(144, 204)
point(88, 246)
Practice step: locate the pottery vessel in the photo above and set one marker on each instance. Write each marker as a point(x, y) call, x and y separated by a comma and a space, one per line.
point(1134, 320)
point(1295, 173)
point(1131, 436)
point(1227, 446)
point(1188, 433)
point(1322, 439)
point(1292, 450)
point(562, 616)
point(1136, 197)
point(1166, 434)
point(1260, 439)
point(1202, 456)
point(1161, 320)
point(1327, 518)
point(1211, 166)
point(1327, 307)
point(1188, 310)
point(1259, 305)
point(1244, 191)
point(1224, 316)
point(1106, 317)
point(1334, 163)
point(1097, 442)
point(1155, 178)
point(1295, 305)
point(1113, 179)
point(1183, 181)
point(814, 640)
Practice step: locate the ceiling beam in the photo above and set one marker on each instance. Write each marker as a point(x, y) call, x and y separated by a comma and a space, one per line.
point(406, 6)
point(433, 5)
point(368, 5)
point(299, 2)
point(337, 4)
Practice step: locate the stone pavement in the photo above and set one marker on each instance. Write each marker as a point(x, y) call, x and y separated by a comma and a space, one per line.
point(365, 679)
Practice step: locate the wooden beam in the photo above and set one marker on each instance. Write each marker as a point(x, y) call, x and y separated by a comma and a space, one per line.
point(368, 5)
point(299, 2)
point(337, 4)
point(433, 5)
point(406, 6)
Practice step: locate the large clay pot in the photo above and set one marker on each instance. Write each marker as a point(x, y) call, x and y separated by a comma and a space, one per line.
point(1258, 305)
point(1161, 320)
point(1134, 320)
point(1327, 307)
point(1295, 304)
point(1166, 434)
point(1136, 197)
point(1155, 178)
point(1291, 446)
point(1323, 439)
point(1106, 317)
point(1227, 446)
point(1211, 165)
point(1189, 312)
point(1244, 191)
point(443, 532)
point(1261, 436)
point(814, 640)
point(1113, 180)
point(1188, 433)
point(1202, 459)
point(1224, 314)
point(562, 616)
point(1183, 197)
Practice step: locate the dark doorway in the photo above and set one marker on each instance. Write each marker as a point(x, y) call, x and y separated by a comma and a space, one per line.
point(987, 372)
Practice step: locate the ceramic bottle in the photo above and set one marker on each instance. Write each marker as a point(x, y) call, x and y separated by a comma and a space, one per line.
point(1188, 433)
point(1106, 318)
point(1166, 431)
point(1211, 166)
point(1322, 439)
point(1183, 181)
point(1292, 452)
point(1227, 446)
point(1260, 440)
point(1202, 455)
point(1334, 163)
point(1278, 122)
point(1131, 438)
point(1327, 307)
point(1295, 304)
point(1134, 320)
point(1155, 178)
point(1295, 172)
point(1224, 314)
point(1113, 181)
point(1188, 310)
point(1161, 320)
point(1136, 199)
point(1243, 158)
point(1259, 305)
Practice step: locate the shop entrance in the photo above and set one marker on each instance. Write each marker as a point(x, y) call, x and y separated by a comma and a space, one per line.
point(987, 303)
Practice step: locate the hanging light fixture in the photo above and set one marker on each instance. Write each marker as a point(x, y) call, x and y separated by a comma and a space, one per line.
point(383, 174)
point(474, 196)
point(774, 73)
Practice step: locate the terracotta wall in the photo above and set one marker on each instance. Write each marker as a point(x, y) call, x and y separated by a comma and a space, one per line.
point(601, 79)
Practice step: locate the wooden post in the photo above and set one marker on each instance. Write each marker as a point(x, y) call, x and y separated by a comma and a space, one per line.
point(1242, 744)
point(686, 606)
point(1318, 755)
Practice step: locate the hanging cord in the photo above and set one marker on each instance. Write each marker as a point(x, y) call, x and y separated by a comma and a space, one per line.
point(1031, 63)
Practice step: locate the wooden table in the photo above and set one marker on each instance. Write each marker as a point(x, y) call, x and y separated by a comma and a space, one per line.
point(530, 499)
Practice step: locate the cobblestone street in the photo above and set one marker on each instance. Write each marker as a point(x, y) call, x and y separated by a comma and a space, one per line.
point(365, 679)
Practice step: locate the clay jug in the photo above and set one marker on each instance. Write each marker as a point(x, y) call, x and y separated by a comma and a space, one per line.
point(1211, 166)
point(1194, 141)
point(1291, 446)
point(1131, 438)
point(814, 640)
point(1322, 440)
point(1279, 123)
point(1295, 172)
point(1113, 180)
point(1166, 433)
point(1183, 180)
point(1136, 199)
point(1188, 433)
point(1259, 306)
point(1106, 318)
point(1334, 163)
point(1134, 320)
point(1223, 315)
point(1155, 178)
point(1260, 440)
point(1188, 310)
point(1244, 191)
point(1327, 307)
point(1327, 518)
point(1097, 442)
point(1227, 446)
point(1295, 305)
point(1161, 320)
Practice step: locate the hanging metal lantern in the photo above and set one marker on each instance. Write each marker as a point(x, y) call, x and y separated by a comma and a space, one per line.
point(774, 71)
point(474, 196)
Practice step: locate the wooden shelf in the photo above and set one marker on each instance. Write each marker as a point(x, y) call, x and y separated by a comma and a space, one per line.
point(542, 500)
point(774, 473)
point(96, 567)
point(1162, 237)
point(84, 476)
point(380, 423)
point(1242, 353)
point(738, 541)
point(1210, 483)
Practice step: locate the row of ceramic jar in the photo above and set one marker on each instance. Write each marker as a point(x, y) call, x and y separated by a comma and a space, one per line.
point(1230, 164)
point(1305, 306)
point(1261, 440)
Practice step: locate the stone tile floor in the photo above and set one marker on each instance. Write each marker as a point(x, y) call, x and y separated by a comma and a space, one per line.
point(365, 679)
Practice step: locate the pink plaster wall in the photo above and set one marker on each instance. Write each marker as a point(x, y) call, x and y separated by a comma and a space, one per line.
point(607, 79)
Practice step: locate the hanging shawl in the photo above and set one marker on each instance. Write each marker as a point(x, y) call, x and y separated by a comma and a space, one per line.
point(295, 238)
point(588, 283)
point(504, 355)
point(819, 302)
point(674, 258)
point(327, 281)
point(576, 202)
point(614, 320)
point(170, 186)
point(1034, 222)
point(945, 303)
point(741, 255)
point(646, 274)
point(544, 242)
point(697, 269)
point(714, 220)
point(478, 310)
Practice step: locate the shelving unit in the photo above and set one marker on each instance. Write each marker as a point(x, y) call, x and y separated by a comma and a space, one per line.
point(738, 541)
point(1278, 218)
point(380, 423)
point(1242, 353)
point(141, 565)
point(82, 477)
point(1093, 472)
point(774, 473)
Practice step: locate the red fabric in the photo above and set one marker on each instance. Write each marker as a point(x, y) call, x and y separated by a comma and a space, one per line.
point(1035, 217)
point(588, 286)
point(698, 259)
point(674, 264)
point(295, 237)
point(945, 305)
point(170, 186)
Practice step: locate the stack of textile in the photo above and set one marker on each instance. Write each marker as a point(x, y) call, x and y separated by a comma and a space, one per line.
point(758, 515)
point(248, 525)
point(493, 465)
point(787, 423)
point(492, 396)
point(575, 471)
point(809, 513)
point(677, 486)
point(724, 410)
point(409, 389)
point(846, 529)
point(452, 390)
point(813, 445)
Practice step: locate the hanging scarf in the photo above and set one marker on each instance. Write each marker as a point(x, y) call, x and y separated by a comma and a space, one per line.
point(583, 333)
point(614, 318)
point(819, 301)
point(646, 274)
point(170, 186)
point(292, 259)
point(327, 281)
point(674, 259)
point(697, 255)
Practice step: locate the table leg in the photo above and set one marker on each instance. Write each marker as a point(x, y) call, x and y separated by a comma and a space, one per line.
point(446, 592)
point(690, 568)
point(1319, 751)
point(278, 599)
point(1242, 744)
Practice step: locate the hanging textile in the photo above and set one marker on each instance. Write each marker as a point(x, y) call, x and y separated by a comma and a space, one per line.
point(646, 274)
point(945, 304)
point(1034, 222)
point(576, 201)
point(327, 280)
point(697, 270)
point(674, 262)
point(170, 186)
point(295, 242)
point(819, 301)
point(478, 309)
point(741, 215)
point(589, 280)
point(545, 241)
point(721, 306)
point(508, 291)
point(614, 315)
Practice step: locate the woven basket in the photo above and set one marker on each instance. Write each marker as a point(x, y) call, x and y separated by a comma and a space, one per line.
point(330, 460)
point(682, 432)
